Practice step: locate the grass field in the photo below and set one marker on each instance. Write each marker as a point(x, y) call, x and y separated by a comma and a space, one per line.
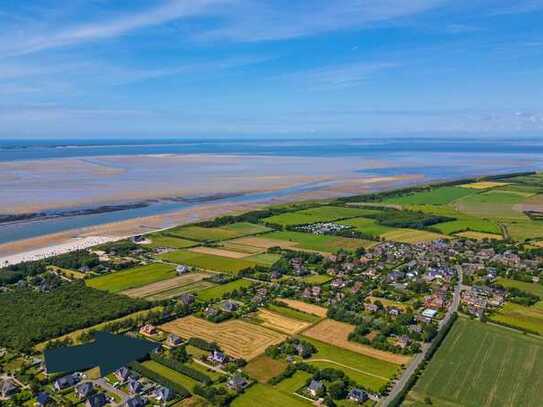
point(468, 224)
point(317, 279)
point(170, 374)
point(533, 288)
point(320, 214)
point(219, 290)
point(294, 383)
point(437, 196)
point(294, 314)
point(133, 278)
point(264, 395)
point(371, 373)
point(320, 243)
point(525, 230)
point(280, 322)
point(525, 318)
point(237, 338)
point(171, 284)
point(207, 261)
point(264, 259)
point(184, 289)
point(199, 233)
point(492, 204)
point(479, 235)
point(160, 240)
point(263, 368)
point(369, 226)
point(412, 236)
point(483, 365)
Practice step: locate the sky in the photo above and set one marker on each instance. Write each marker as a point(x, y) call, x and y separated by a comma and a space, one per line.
point(270, 68)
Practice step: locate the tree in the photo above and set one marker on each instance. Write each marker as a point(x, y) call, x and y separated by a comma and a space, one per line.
point(338, 390)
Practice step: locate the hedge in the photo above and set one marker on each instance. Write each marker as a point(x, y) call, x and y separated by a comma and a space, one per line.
point(181, 368)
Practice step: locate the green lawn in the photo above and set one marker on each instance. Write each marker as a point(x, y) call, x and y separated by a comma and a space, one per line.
point(293, 313)
point(483, 365)
point(468, 224)
point(317, 279)
point(160, 240)
point(320, 214)
point(294, 383)
point(437, 196)
point(207, 261)
point(371, 373)
point(321, 243)
point(170, 374)
point(264, 395)
point(264, 259)
point(226, 232)
point(220, 290)
point(132, 278)
point(366, 225)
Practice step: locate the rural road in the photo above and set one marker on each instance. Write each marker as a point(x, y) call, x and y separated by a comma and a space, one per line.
point(400, 384)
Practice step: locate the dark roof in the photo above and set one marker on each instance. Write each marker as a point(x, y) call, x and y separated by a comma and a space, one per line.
point(84, 389)
point(43, 398)
point(165, 393)
point(98, 400)
point(315, 385)
point(135, 402)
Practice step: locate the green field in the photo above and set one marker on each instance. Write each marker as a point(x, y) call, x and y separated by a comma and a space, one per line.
point(437, 196)
point(264, 395)
point(207, 261)
point(294, 383)
point(132, 278)
point(320, 214)
point(170, 374)
point(412, 236)
point(232, 231)
point(160, 240)
point(533, 288)
point(525, 230)
point(468, 224)
point(365, 225)
point(371, 373)
point(175, 292)
point(492, 204)
point(264, 259)
point(264, 368)
point(218, 291)
point(483, 365)
point(293, 313)
point(321, 243)
point(518, 316)
point(317, 279)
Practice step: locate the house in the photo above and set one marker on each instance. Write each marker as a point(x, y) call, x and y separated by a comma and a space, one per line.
point(148, 330)
point(173, 340)
point(217, 357)
point(230, 306)
point(97, 400)
point(43, 399)
point(315, 388)
point(338, 283)
point(237, 382)
point(135, 387)
point(404, 341)
point(122, 374)
point(211, 312)
point(428, 314)
point(84, 390)
point(136, 401)
point(182, 269)
point(8, 388)
point(65, 382)
point(164, 394)
point(393, 311)
point(187, 299)
point(357, 395)
point(371, 307)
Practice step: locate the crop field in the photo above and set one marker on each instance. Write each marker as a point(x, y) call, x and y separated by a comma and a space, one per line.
point(412, 236)
point(170, 374)
point(480, 235)
point(264, 259)
point(264, 395)
point(366, 225)
point(497, 204)
point(207, 261)
point(305, 307)
point(437, 196)
point(199, 233)
point(371, 373)
point(468, 224)
point(184, 289)
point(484, 185)
point(165, 285)
point(321, 243)
point(237, 338)
point(483, 365)
point(219, 290)
point(293, 314)
point(525, 230)
point(133, 278)
point(218, 252)
point(518, 316)
point(241, 248)
point(160, 240)
point(263, 368)
point(280, 322)
point(320, 214)
point(337, 333)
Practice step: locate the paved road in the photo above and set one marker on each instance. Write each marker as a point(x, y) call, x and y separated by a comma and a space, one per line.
point(400, 384)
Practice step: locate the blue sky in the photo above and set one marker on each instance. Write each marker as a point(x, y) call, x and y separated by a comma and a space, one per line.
point(270, 68)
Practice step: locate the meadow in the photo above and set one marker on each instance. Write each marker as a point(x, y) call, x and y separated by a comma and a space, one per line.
point(412, 236)
point(320, 214)
point(437, 196)
point(533, 288)
point(264, 395)
point(132, 278)
point(263, 368)
point(483, 365)
point(492, 204)
point(528, 319)
point(219, 290)
point(264, 259)
point(368, 226)
point(321, 243)
point(226, 232)
point(468, 224)
point(207, 261)
point(161, 240)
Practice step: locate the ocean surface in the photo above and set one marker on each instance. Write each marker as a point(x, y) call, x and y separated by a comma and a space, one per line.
point(434, 159)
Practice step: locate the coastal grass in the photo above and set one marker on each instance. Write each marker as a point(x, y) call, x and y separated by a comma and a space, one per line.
point(207, 261)
point(319, 214)
point(483, 365)
point(294, 314)
point(264, 395)
point(322, 243)
point(133, 277)
point(220, 290)
point(437, 196)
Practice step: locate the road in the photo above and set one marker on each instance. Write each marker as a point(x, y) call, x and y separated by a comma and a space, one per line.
point(401, 382)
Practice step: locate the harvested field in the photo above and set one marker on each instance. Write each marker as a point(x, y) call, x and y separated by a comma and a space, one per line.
point(241, 248)
point(281, 323)
point(484, 185)
point(218, 252)
point(237, 338)
point(165, 285)
point(264, 243)
point(480, 235)
point(263, 368)
point(305, 307)
point(337, 333)
point(184, 289)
